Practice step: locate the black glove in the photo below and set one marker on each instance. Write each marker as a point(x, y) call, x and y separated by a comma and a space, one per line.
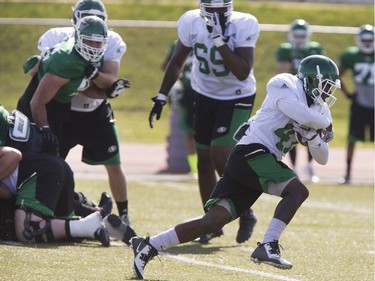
point(117, 88)
point(50, 141)
point(91, 72)
point(156, 109)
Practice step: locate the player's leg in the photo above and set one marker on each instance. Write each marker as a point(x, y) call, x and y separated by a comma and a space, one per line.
point(231, 115)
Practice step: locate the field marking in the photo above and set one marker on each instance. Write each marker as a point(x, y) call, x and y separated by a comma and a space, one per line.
point(229, 268)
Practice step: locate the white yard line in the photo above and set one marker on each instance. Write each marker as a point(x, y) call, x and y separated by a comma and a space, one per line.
point(229, 268)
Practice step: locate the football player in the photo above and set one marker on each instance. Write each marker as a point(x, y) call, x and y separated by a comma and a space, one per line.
point(360, 61)
point(42, 185)
point(91, 115)
point(294, 104)
point(37, 191)
point(288, 56)
point(223, 81)
point(61, 72)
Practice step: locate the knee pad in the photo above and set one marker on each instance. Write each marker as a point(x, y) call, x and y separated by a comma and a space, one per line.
point(32, 230)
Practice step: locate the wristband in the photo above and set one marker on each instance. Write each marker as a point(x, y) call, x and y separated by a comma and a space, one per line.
point(218, 42)
point(161, 96)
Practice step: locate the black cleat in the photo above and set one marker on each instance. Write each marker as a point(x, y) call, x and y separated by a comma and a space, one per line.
point(105, 204)
point(101, 235)
point(247, 223)
point(204, 239)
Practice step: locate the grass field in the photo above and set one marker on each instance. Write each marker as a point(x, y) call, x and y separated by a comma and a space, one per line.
point(331, 238)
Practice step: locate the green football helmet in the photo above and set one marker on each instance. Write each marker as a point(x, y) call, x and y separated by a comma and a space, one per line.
point(299, 34)
point(206, 7)
point(365, 39)
point(88, 8)
point(91, 38)
point(320, 78)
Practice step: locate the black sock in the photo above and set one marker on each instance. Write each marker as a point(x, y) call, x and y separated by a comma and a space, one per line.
point(122, 207)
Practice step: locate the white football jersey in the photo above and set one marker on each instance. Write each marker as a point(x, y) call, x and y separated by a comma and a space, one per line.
point(116, 48)
point(286, 101)
point(209, 76)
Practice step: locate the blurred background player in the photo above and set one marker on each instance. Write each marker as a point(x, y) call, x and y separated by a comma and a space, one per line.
point(182, 157)
point(288, 56)
point(359, 60)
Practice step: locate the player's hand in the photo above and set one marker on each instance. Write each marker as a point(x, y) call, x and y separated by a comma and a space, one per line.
point(117, 88)
point(328, 134)
point(91, 72)
point(306, 133)
point(216, 25)
point(159, 101)
point(50, 141)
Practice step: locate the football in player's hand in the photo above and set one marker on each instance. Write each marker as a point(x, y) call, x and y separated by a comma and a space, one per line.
point(302, 140)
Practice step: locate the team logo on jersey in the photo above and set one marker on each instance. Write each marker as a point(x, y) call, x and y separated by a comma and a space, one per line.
point(222, 130)
point(112, 148)
point(284, 86)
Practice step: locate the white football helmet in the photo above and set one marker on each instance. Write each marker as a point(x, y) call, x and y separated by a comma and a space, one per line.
point(365, 39)
point(207, 5)
point(299, 34)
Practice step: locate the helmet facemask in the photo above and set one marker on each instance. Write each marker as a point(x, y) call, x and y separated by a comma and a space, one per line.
point(365, 39)
point(223, 7)
point(91, 38)
point(321, 89)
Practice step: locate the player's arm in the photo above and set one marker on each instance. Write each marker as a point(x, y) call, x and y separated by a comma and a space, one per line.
point(47, 89)
point(344, 88)
point(240, 61)
point(174, 67)
point(107, 75)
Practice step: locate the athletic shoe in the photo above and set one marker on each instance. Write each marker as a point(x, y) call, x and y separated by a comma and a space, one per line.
point(118, 229)
point(204, 239)
point(125, 219)
point(345, 180)
point(269, 253)
point(310, 172)
point(105, 204)
point(143, 253)
point(247, 223)
point(101, 235)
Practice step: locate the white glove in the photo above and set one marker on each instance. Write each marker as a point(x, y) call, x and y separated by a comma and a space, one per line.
point(307, 133)
point(327, 136)
point(214, 27)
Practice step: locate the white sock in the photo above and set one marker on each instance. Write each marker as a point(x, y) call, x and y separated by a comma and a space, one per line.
point(86, 227)
point(274, 230)
point(165, 239)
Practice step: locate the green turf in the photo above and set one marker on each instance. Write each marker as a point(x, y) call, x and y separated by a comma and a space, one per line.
point(331, 238)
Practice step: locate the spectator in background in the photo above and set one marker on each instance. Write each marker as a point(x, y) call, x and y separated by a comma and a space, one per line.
point(359, 60)
point(288, 57)
point(223, 81)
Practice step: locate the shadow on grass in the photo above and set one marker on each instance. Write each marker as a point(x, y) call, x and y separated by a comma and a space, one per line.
point(196, 248)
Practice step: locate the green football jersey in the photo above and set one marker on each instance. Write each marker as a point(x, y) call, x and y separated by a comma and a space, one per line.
point(4, 125)
point(64, 61)
point(362, 68)
point(285, 52)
